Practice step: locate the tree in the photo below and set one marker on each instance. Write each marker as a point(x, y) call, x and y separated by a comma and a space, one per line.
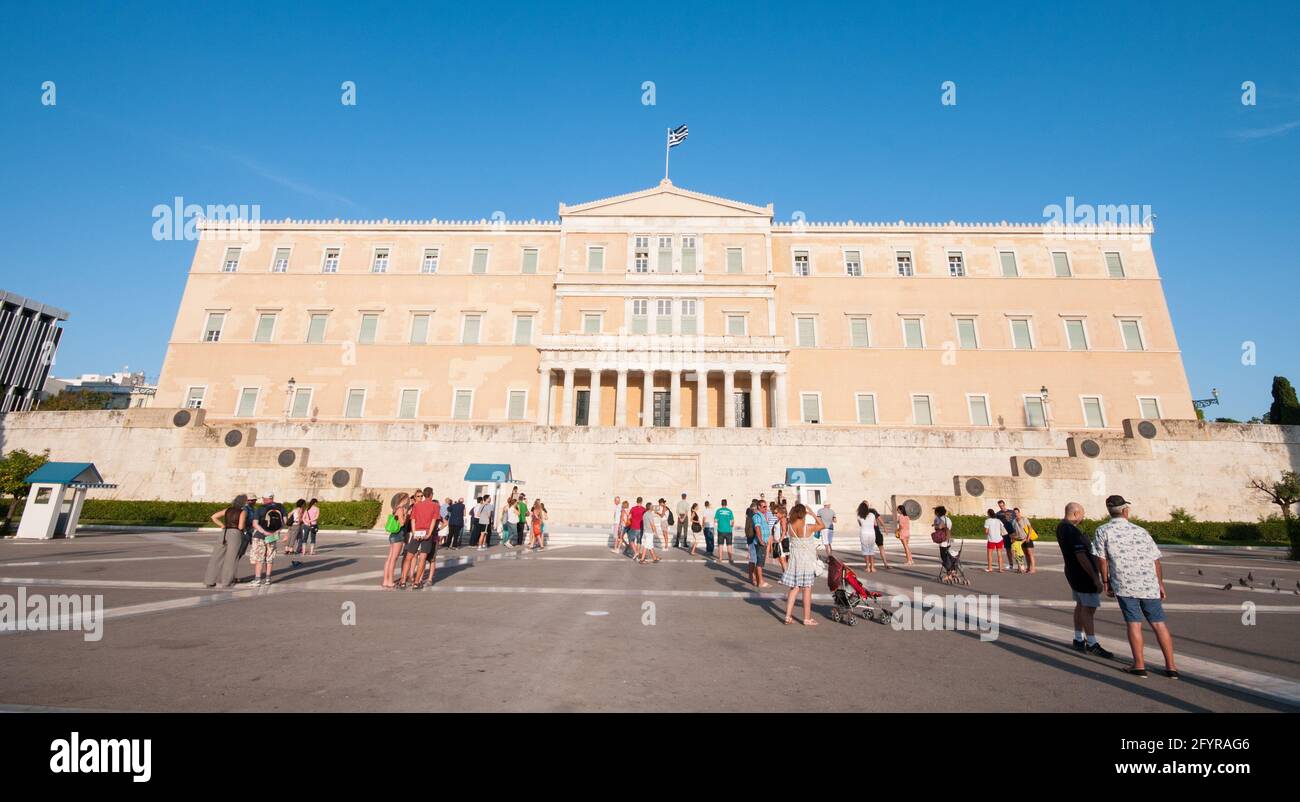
point(15, 467)
point(1285, 493)
point(73, 400)
point(1285, 409)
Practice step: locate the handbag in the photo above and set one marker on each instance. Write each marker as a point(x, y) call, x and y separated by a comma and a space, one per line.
point(391, 526)
point(940, 534)
point(695, 527)
point(1033, 533)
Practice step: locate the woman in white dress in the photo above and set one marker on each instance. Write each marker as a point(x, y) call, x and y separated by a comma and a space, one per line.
point(801, 570)
point(867, 534)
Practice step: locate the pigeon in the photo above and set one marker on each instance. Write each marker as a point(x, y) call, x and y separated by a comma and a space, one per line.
point(1297, 585)
point(1199, 572)
point(1229, 587)
point(1243, 582)
point(1272, 583)
point(1250, 577)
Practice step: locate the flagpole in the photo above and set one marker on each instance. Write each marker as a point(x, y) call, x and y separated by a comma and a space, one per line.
point(668, 135)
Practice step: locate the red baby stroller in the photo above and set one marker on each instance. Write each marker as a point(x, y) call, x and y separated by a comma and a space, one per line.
point(850, 594)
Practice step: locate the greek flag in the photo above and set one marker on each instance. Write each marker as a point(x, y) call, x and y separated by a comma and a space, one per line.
point(677, 136)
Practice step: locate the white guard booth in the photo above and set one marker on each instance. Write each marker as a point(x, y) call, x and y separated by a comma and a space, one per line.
point(486, 478)
point(810, 485)
point(57, 494)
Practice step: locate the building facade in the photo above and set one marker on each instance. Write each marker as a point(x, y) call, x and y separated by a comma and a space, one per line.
point(125, 390)
point(29, 338)
point(671, 308)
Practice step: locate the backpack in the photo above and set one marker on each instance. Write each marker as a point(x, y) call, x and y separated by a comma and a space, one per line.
point(391, 526)
point(274, 519)
point(750, 534)
point(670, 517)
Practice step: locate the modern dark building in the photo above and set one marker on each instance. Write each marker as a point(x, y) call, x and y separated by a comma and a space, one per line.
point(29, 336)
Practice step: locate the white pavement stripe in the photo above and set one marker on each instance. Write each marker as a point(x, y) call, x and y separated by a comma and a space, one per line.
point(95, 560)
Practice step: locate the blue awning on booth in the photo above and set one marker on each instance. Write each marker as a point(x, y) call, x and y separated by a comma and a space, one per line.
point(488, 472)
point(807, 476)
point(64, 473)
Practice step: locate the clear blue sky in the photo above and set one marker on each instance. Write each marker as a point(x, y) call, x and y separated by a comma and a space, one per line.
point(833, 110)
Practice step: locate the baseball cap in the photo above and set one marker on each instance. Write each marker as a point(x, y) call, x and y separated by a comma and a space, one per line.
point(1116, 501)
point(268, 494)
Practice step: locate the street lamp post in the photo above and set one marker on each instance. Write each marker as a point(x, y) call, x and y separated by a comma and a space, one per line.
point(1047, 416)
point(288, 397)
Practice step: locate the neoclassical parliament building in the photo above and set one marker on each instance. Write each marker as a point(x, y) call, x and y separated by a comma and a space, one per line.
point(672, 308)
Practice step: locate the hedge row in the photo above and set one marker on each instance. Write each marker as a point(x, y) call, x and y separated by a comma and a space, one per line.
point(333, 514)
point(1268, 533)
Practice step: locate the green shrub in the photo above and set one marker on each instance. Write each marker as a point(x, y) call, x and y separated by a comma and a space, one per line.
point(333, 514)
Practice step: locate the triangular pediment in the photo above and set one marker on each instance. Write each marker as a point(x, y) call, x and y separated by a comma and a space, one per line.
point(666, 200)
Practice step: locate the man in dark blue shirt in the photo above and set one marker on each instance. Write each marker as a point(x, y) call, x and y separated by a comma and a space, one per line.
point(1085, 581)
point(455, 522)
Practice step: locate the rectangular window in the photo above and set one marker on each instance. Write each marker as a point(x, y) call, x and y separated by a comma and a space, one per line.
point(922, 415)
point(410, 404)
point(463, 406)
point(1132, 335)
point(523, 329)
point(331, 262)
point(966, 336)
point(665, 263)
point(380, 263)
point(356, 405)
point(801, 264)
point(419, 329)
point(529, 266)
point(194, 398)
point(913, 333)
point(853, 263)
point(1149, 408)
point(979, 409)
point(469, 329)
point(301, 407)
point(859, 332)
point(1009, 267)
point(316, 328)
point(641, 255)
point(736, 325)
point(866, 408)
point(688, 254)
point(369, 325)
point(429, 264)
point(689, 319)
point(516, 405)
point(810, 404)
point(956, 264)
point(595, 260)
point(1021, 337)
point(1114, 265)
point(1035, 415)
point(663, 316)
point(1061, 264)
point(212, 329)
point(735, 260)
point(904, 261)
point(231, 263)
point(591, 323)
point(479, 261)
point(1076, 336)
point(247, 402)
point(640, 316)
point(265, 327)
point(805, 332)
point(1092, 412)
point(280, 262)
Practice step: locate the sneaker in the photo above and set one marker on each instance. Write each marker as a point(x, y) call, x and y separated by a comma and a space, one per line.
point(1080, 645)
point(1141, 673)
point(1097, 650)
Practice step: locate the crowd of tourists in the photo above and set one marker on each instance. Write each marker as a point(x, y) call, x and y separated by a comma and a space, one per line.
point(259, 530)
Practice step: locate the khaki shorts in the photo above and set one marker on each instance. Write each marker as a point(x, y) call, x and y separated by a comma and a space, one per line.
point(260, 552)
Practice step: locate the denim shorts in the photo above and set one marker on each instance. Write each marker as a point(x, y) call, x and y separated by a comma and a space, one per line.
point(1088, 599)
point(757, 553)
point(1135, 610)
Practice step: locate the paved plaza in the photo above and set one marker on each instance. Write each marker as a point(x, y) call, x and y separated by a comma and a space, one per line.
point(580, 628)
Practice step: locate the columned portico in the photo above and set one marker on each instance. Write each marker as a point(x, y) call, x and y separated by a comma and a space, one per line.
point(675, 399)
point(593, 400)
point(757, 400)
point(620, 398)
point(779, 398)
point(544, 396)
point(729, 398)
point(567, 419)
point(701, 398)
point(647, 397)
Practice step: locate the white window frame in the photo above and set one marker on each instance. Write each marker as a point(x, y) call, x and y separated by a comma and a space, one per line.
point(410, 330)
point(293, 402)
point(866, 322)
point(644, 316)
point(1083, 322)
point(929, 404)
point(1101, 409)
point(1025, 399)
point(899, 253)
point(523, 413)
point(671, 317)
point(594, 249)
point(815, 337)
point(639, 263)
point(207, 325)
point(600, 322)
point(429, 260)
point(361, 327)
point(464, 322)
point(455, 393)
point(203, 394)
point(848, 269)
point(744, 323)
point(1123, 268)
point(275, 320)
point(1069, 264)
point(961, 262)
point(232, 267)
point(821, 416)
point(324, 329)
point(727, 257)
point(347, 399)
point(1120, 320)
point(875, 408)
point(1029, 329)
point(514, 329)
point(1015, 263)
point(794, 261)
point(970, 411)
point(487, 259)
point(903, 325)
point(325, 258)
point(695, 253)
point(658, 253)
point(975, 331)
point(523, 260)
point(239, 401)
point(287, 259)
point(694, 315)
point(376, 265)
point(401, 392)
point(1154, 399)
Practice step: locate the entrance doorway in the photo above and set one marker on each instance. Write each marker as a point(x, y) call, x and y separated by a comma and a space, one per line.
point(582, 408)
point(742, 409)
point(662, 408)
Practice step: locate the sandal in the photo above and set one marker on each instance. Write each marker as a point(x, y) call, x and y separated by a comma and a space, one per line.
point(808, 622)
point(789, 620)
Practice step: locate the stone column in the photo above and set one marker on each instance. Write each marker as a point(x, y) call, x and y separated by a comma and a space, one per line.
point(593, 400)
point(779, 400)
point(543, 396)
point(647, 397)
point(620, 398)
point(702, 397)
point(675, 398)
point(729, 397)
point(757, 399)
point(567, 419)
